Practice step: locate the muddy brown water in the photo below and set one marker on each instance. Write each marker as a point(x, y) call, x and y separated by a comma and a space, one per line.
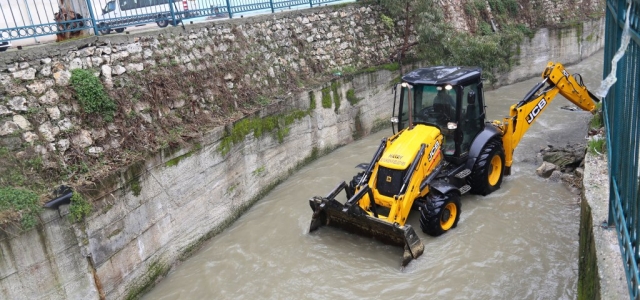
point(520, 242)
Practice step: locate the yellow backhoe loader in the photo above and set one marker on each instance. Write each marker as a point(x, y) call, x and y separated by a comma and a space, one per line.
point(444, 148)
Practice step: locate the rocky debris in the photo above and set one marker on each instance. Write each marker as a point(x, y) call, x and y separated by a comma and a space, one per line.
point(565, 164)
point(546, 169)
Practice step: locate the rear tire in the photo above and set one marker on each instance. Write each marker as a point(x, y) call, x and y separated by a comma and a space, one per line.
point(162, 23)
point(488, 170)
point(440, 213)
point(352, 185)
point(104, 29)
point(120, 30)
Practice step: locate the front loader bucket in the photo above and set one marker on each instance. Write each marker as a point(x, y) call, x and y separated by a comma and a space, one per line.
point(328, 211)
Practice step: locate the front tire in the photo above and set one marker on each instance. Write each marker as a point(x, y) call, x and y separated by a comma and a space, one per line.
point(162, 23)
point(120, 30)
point(439, 213)
point(488, 170)
point(104, 28)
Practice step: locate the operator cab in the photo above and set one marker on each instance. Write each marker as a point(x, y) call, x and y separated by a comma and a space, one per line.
point(449, 98)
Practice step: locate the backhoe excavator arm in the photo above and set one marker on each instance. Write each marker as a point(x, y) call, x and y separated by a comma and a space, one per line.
point(521, 115)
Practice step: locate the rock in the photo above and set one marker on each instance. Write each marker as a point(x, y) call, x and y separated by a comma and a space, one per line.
point(147, 53)
point(76, 63)
point(106, 72)
point(29, 74)
point(37, 87)
point(546, 169)
point(82, 139)
point(118, 70)
point(135, 67)
point(53, 112)
point(566, 158)
point(97, 134)
point(22, 122)
point(50, 97)
point(95, 151)
point(45, 71)
point(8, 128)
point(579, 172)
point(63, 145)
point(48, 131)
point(62, 77)
point(4, 111)
point(30, 137)
point(45, 61)
point(65, 124)
point(134, 48)
point(555, 176)
point(18, 104)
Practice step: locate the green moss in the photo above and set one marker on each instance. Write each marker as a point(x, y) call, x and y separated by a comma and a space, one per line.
point(589, 38)
point(359, 131)
point(156, 270)
point(389, 67)
point(336, 94)
point(114, 233)
point(588, 278)
point(380, 124)
point(278, 125)
point(135, 187)
point(312, 100)
point(351, 97)
point(326, 97)
point(176, 160)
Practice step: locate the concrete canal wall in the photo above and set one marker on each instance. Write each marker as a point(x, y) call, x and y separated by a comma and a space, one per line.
point(148, 216)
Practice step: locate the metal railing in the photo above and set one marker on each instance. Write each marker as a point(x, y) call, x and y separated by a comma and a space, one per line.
point(622, 121)
point(21, 19)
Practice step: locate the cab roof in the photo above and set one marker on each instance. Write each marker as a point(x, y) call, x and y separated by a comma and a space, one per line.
point(441, 75)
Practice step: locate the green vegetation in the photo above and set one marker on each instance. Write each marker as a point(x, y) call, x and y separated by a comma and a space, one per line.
point(326, 97)
point(176, 160)
point(388, 22)
point(278, 125)
point(335, 85)
point(351, 97)
point(597, 146)
point(493, 48)
point(588, 278)
point(596, 122)
point(25, 204)
point(91, 94)
point(79, 208)
point(135, 187)
point(312, 100)
point(156, 270)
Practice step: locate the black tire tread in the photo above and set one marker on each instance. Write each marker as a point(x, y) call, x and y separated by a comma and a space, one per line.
point(430, 211)
point(478, 180)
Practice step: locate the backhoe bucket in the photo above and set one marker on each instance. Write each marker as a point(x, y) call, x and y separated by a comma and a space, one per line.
point(328, 211)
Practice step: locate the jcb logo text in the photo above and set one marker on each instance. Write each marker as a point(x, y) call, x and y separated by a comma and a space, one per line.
point(536, 110)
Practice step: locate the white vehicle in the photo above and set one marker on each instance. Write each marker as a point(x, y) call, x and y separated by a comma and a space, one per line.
point(117, 14)
point(4, 46)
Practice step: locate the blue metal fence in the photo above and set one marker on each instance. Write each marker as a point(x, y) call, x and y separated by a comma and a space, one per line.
point(20, 19)
point(622, 121)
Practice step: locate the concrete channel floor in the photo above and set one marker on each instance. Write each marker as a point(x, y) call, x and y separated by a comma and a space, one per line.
point(613, 281)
